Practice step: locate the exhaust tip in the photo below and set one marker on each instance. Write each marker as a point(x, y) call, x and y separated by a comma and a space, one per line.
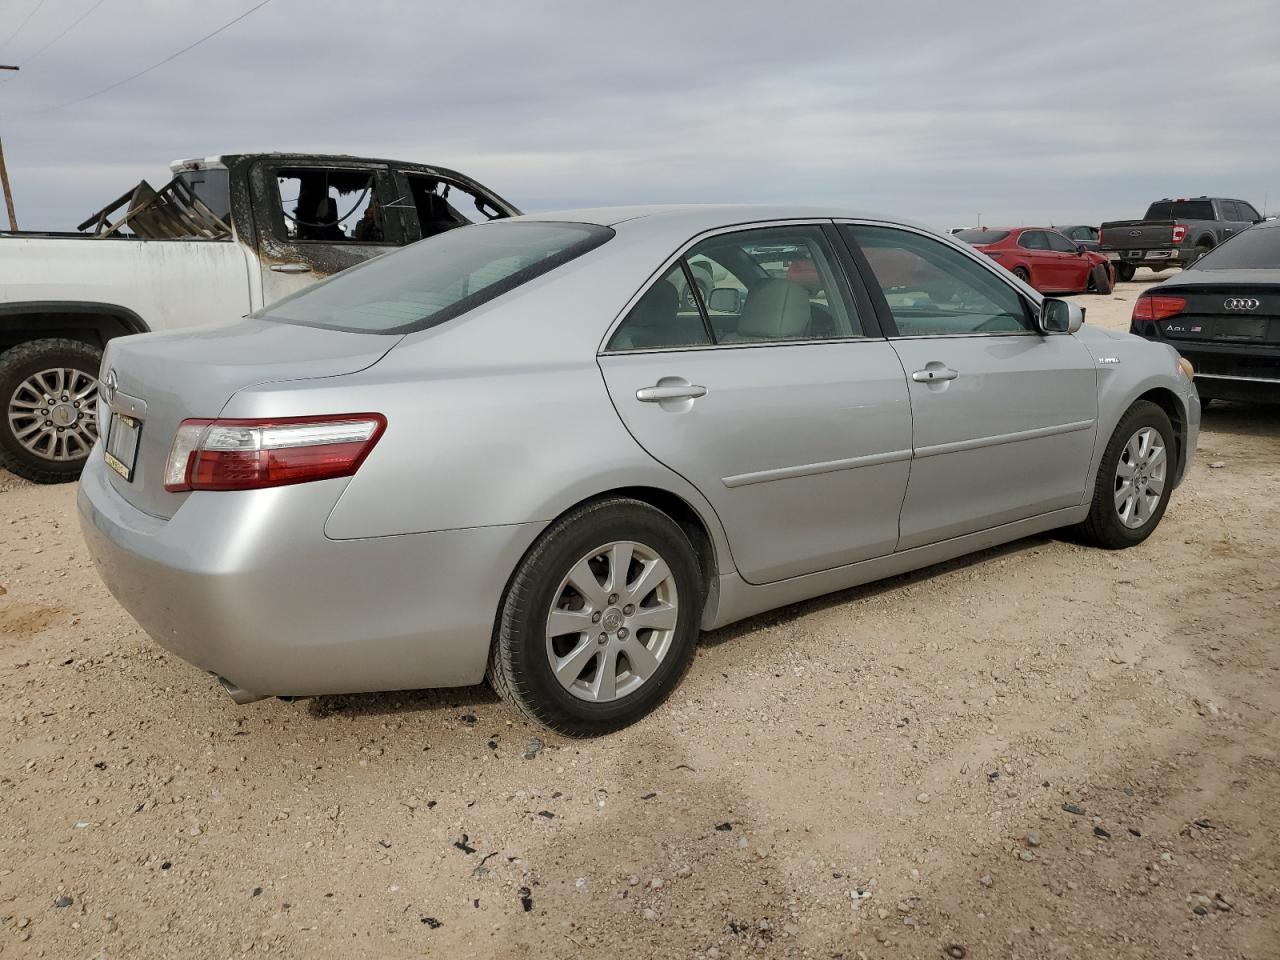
point(239, 695)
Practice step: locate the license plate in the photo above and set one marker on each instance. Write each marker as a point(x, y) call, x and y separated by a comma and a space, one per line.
point(1243, 328)
point(121, 448)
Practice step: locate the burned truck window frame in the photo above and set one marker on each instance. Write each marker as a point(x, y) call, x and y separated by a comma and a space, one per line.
point(439, 204)
point(359, 190)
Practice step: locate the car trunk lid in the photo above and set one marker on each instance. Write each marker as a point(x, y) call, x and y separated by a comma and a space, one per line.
point(1240, 313)
point(158, 380)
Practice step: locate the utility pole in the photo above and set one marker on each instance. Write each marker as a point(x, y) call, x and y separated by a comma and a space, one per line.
point(4, 177)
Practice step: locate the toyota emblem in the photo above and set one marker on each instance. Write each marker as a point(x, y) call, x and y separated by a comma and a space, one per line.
point(1242, 303)
point(109, 384)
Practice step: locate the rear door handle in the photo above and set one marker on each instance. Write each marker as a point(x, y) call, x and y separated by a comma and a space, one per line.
point(933, 374)
point(682, 391)
point(290, 268)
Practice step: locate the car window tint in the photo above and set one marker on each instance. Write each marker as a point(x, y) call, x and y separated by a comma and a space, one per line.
point(1059, 243)
point(788, 283)
point(437, 279)
point(1033, 240)
point(1248, 213)
point(1180, 210)
point(666, 316)
point(1230, 210)
point(933, 289)
point(1257, 248)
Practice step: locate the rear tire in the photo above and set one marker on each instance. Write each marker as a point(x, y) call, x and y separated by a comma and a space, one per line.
point(1022, 273)
point(1123, 462)
point(1125, 272)
point(48, 444)
point(1196, 254)
point(572, 681)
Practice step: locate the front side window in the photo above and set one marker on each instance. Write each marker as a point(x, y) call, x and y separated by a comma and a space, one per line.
point(1248, 213)
point(329, 206)
point(765, 285)
point(1059, 243)
point(932, 289)
point(435, 280)
point(441, 205)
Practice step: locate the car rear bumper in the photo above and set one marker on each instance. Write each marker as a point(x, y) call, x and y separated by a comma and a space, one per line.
point(1233, 371)
point(245, 585)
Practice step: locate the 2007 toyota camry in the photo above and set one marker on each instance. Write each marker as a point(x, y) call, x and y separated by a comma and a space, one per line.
point(550, 449)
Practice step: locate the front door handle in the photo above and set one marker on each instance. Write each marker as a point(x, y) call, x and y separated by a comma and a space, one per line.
point(933, 374)
point(680, 391)
point(290, 268)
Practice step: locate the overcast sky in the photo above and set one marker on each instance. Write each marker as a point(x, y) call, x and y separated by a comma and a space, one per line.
point(1028, 112)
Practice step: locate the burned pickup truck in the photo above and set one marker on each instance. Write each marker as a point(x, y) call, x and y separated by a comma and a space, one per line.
point(223, 237)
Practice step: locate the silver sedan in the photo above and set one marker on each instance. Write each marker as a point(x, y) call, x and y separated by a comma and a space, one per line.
point(550, 450)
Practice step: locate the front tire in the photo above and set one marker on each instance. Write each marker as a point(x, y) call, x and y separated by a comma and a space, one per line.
point(600, 620)
point(1099, 281)
point(49, 393)
point(1134, 481)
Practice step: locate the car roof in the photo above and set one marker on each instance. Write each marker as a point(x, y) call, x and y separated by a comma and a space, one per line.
point(698, 217)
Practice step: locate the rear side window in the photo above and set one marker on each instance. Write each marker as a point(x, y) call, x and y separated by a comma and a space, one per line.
point(1181, 210)
point(1033, 240)
point(434, 280)
point(1257, 248)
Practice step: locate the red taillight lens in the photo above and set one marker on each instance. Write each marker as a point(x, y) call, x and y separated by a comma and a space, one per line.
point(1179, 232)
point(1158, 307)
point(250, 454)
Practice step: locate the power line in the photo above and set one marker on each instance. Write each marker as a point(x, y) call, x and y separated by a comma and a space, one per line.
point(74, 23)
point(26, 20)
point(134, 76)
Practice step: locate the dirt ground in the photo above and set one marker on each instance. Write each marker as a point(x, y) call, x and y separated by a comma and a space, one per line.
point(1038, 751)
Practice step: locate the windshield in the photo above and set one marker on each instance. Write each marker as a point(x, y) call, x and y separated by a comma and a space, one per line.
point(1180, 210)
point(434, 280)
point(979, 237)
point(1257, 248)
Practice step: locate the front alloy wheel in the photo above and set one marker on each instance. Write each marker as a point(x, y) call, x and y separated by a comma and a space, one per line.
point(1139, 479)
point(600, 619)
point(1133, 485)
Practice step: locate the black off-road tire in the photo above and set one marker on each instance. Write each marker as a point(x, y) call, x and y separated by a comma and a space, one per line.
point(1103, 527)
point(16, 365)
point(1125, 272)
point(1196, 254)
point(519, 668)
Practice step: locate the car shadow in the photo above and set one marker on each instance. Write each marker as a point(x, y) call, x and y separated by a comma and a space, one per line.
point(1240, 419)
point(796, 611)
point(461, 700)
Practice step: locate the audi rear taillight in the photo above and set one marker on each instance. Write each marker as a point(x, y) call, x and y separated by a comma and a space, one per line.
point(251, 454)
point(1179, 232)
point(1155, 306)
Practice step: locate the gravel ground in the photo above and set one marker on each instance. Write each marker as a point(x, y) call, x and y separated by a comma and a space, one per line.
point(1042, 750)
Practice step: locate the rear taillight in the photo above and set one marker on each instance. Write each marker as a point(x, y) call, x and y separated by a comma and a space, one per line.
point(250, 454)
point(1179, 232)
point(1154, 306)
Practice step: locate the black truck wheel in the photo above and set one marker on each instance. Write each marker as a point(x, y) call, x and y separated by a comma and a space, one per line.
point(1125, 271)
point(49, 391)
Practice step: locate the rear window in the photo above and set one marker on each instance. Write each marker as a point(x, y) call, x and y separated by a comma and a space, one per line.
point(1257, 248)
point(437, 279)
point(982, 236)
point(1180, 210)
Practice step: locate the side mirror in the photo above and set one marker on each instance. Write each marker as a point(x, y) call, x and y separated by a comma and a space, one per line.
point(725, 300)
point(1081, 249)
point(1059, 316)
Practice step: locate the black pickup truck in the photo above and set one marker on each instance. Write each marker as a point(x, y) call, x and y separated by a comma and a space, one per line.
point(1173, 233)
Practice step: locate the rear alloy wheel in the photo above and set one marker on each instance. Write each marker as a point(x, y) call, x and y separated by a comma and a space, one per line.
point(50, 393)
point(1134, 479)
point(1125, 272)
point(1022, 274)
point(600, 620)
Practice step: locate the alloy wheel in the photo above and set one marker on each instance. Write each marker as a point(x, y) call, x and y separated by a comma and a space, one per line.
point(1140, 477)
point(612, 621)
point(54, 413)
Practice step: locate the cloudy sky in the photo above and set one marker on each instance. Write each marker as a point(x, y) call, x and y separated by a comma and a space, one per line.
point(1028, 112)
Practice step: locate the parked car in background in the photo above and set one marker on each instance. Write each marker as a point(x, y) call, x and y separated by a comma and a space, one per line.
point(513, 449)
point(224, 236)
point(1082, 234)
point(1043, 258)
point(1223, 314)
point(1173, 233)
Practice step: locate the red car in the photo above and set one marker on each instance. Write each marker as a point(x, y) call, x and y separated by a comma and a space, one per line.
point(1043, 258)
